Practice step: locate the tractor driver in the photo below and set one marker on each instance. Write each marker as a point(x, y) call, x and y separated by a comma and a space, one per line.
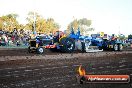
point(57, 36)
point(114, 37)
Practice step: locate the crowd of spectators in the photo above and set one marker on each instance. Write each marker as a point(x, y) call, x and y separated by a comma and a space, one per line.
point(14, 38)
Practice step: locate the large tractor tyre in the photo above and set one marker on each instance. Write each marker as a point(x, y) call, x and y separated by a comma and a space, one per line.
point(115, 48)
point(120, 47)
point(40, 50)
point(104, 48)
point(83, 47)
point(62, 43)
point(68, 45)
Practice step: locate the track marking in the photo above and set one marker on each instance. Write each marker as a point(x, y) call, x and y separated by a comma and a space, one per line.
point(11, 75)
point(93, 68)
point(113, 67)
point(122, 61)
point(8, 68)
point(41, 65)
point(106, 71)
point(71, 71)
point(46, 68)
point(38, 80)
point(11, 68)
point(126, 69)
point(21, 67)
point(58, 85)
point(107, 63)
point(7, 75)
point(40, 73)
point(45, 86)
point(28, 66)
point(36, 69)
point(27, 70)
point(52, 68)
point(122, 66)
point(55, 67)
point(74, 84)
point(118, 70)
point(65, 66)
point(76, 65)
point(108, 66)
point(58, 82)
point(12, 84)
point(5, 86)
point(17, 76)
point(101, 67)
point(16, 71)
point(9, 72)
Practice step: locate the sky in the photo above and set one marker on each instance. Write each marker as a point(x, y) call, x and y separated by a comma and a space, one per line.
point(109, 16)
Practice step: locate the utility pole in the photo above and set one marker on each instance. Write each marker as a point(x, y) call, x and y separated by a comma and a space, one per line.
point(34, 24)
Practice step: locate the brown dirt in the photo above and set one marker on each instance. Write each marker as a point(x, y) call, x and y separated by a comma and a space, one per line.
point(20, 69)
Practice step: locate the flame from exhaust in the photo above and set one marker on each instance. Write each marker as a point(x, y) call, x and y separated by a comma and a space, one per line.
point(81, 71)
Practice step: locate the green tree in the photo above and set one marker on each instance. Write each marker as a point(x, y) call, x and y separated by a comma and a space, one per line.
point(9, 22)
point(41, 25)
point(84, 25)
point(85, 21)
point(31, 17)
point(1, 23)
point(52, 25)
point(74, 24)
point(121, 36)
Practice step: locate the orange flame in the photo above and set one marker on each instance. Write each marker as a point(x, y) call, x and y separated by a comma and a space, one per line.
point(81, 71)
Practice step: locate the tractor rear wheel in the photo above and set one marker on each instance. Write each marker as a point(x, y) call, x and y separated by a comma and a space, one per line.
point(83, 47)
point(68, 45)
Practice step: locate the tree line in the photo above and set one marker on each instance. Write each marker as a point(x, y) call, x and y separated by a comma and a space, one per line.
point(9, 22)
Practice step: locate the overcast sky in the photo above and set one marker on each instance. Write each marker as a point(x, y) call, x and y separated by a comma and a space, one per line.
point(110, 16)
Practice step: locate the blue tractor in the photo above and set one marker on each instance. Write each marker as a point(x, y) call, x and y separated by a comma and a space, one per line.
point(84, 43)
point(111, 43)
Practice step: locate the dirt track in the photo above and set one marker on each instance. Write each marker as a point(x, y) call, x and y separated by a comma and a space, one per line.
point(19, 69)
point(24, 52)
